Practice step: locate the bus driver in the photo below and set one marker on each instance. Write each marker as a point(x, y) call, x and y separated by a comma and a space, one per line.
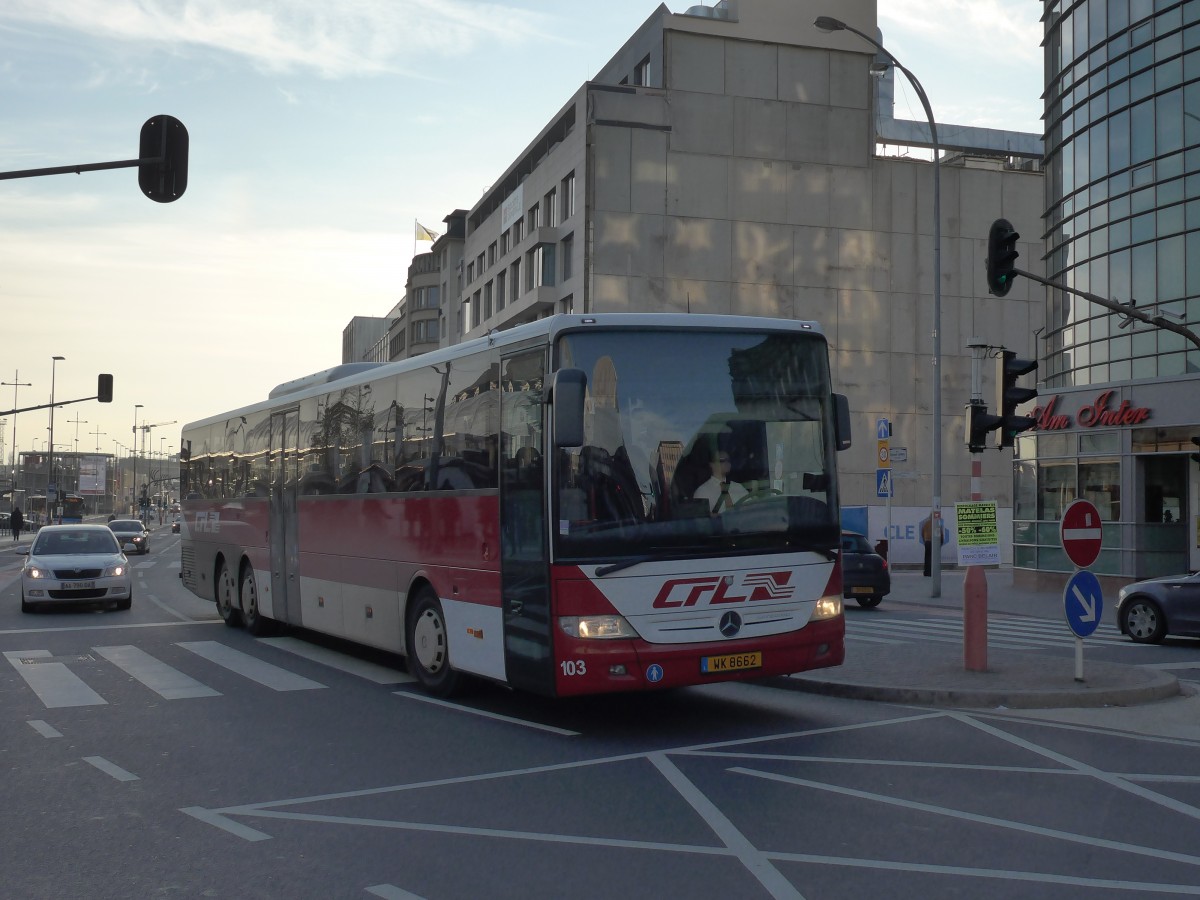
point(719, 491)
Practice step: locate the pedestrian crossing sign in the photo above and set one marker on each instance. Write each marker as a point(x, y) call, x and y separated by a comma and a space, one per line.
point(883, 482)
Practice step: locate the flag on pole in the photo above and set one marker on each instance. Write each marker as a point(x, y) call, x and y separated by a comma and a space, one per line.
point(425, 234)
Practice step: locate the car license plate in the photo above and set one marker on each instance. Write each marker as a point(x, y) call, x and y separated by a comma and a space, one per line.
point(78, 585)
point(732, 662)
point(862, 590)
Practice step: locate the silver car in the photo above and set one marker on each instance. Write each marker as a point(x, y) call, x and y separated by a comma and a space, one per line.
point(1149, 610)
point(70, 564)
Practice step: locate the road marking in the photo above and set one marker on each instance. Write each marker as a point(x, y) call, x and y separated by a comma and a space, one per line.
point(727, 833)
point(341, 661)
point(169, 683)
point(244, 664)
point(212, 621)
point(412, 695)
point(55, 684)
point(390, 892)
point(110, 768)
point(45, 729)
point(216, 819)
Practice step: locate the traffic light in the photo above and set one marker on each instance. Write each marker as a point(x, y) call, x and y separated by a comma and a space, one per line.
point(979, 423)
point(165, 140)
point(1009, 395)
point(1002, 254)
point(104, 389)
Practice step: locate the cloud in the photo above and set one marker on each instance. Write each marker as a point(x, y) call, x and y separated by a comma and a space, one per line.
point(333, 38)
point(973, 28)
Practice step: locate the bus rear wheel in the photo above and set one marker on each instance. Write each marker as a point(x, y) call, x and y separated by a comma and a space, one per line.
point(226, 590)
point(428, 645)
point(256, 623)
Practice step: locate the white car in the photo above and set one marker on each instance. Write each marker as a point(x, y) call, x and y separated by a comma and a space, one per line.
point(69, 564)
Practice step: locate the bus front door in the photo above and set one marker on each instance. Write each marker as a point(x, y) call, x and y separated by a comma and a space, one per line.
point(285, 479)
point(524, 575)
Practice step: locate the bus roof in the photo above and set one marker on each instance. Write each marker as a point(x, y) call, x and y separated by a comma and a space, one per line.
point(348, 375)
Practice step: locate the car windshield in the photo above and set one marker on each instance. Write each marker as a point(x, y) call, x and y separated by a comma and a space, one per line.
point(126, 526)
point(697, 443)
point(855, 543)
point(63, 543)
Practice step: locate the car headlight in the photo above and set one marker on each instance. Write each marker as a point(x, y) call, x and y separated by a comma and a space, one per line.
point(598, 627)
point(827, 608)
point(35, 572)
point(114, 571)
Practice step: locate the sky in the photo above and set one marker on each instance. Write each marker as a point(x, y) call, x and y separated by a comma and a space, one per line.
point(320, 131)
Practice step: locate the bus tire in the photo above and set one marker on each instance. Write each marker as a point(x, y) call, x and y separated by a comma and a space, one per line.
point(229, 613)
point(428, 645)
point(256, 623)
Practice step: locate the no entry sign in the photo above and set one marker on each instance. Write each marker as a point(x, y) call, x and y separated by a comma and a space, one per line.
point(1081, 533)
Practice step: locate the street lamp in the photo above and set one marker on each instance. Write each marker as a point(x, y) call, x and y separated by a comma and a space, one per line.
point(830, 24)
point(54, 360)
point(136, 407)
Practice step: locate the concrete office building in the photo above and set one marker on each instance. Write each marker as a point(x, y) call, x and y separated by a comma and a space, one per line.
point(1120, 403)
point(727, 160)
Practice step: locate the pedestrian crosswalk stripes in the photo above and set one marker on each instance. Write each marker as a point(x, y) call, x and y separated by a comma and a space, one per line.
point(1003, 633)
point(60, 682)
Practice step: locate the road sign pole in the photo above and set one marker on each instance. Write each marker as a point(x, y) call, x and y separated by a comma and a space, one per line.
point(1078, 658)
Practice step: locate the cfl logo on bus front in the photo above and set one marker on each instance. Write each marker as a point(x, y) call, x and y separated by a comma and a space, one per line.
point(714, 589)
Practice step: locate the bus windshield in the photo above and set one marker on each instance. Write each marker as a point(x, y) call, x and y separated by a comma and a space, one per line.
point(697, 444)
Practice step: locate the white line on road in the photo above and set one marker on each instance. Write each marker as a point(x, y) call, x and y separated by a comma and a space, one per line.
point(45, 729)
point(169, 683)
point(244, 664)
point(485, 714)
point(225, 824)
point(340, 661)
point(55, 684)
point(390, 892)
point(110, 768)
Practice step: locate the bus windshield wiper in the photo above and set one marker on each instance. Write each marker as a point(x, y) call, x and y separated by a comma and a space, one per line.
point(601, 571)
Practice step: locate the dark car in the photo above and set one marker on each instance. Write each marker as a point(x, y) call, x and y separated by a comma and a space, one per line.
point(131, 531)
point(865, 575)
point(1148, 611)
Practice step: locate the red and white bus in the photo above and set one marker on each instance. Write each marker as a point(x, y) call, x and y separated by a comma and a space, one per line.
point(578, 505)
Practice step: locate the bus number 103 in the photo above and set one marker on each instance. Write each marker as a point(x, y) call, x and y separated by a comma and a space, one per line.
point(573, 667)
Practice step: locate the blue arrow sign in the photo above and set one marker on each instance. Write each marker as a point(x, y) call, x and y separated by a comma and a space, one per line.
point(883, 429)
point(1083, 603)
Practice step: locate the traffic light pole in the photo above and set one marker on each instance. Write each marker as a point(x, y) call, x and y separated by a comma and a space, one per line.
point(1124, 309)
point(975, 591)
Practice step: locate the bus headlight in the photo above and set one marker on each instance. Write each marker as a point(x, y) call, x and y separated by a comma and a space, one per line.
point(827, 608)
point(597, 627)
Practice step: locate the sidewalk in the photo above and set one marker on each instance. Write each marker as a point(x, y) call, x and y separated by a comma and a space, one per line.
point(933, 674)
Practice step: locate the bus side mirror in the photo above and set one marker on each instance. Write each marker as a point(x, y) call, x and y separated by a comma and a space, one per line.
point(841, 434)
point(567, 390)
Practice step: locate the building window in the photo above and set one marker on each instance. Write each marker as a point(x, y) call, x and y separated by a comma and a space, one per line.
point(550, 202)
point(500, 278)
point(504, 242)
point(568, 249)
point(534, 218)
point(492, 254)
point(518, 229)
point(641, 72)
point(487, 300)
point(566, 305)
point(475, 309)
point(515, 280)
point(470, 272)
point(479, 264)
point(568, 197)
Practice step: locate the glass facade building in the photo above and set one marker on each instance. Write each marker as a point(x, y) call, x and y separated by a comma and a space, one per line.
point(1120, 400)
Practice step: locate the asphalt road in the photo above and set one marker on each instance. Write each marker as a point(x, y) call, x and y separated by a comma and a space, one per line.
point(156, 752)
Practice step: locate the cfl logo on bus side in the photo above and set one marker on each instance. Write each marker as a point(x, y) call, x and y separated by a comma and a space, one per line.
point(714, 589)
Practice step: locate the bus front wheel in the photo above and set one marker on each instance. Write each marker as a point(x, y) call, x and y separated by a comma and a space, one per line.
point(428, 645)
point(226, 591)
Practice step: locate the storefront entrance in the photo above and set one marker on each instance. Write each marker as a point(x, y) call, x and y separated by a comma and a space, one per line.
point(1165, 530)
